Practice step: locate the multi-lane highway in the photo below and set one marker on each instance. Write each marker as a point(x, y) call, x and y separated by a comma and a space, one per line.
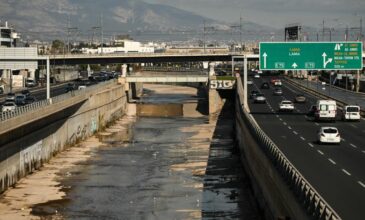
point(336, 171)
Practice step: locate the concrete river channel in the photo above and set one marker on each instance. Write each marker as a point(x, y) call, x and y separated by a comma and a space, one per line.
point(178, 163)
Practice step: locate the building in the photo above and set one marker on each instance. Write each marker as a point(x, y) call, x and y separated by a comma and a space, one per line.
point(8, 36)
point(121, 46)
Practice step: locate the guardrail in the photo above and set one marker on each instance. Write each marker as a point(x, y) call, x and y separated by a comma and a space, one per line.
point(173, 69)
point(320, 95)
point(308, 197)
point(41, 104)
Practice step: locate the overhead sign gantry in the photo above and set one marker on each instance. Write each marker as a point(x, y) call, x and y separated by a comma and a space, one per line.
point(311, 56)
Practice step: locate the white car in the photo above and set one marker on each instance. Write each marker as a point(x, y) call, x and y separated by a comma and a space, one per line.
point(351, 112)
point(81, 87)
point(256, 76)
point(329, 135)
point(9, 106)
point(249, 82)
point(259, 98)
point(286, 105)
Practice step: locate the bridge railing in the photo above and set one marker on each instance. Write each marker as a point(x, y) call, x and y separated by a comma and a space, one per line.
point(43, 103)
point(307, 195)
point(174, 69)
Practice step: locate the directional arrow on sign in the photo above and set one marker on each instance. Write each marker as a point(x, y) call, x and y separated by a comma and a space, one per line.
point(264, 55)
point(324, 55)
point(294, 65)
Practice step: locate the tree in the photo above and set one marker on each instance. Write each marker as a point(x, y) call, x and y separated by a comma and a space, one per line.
point(57, 46)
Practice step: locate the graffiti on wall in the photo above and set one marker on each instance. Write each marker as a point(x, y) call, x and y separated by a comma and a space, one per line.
point(222, 84)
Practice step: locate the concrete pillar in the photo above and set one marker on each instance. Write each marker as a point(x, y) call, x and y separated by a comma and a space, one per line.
point(124, 70)
point(211, 69)
point(215, 101)
point(31, 73)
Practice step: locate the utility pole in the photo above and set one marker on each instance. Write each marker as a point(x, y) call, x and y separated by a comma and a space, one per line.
point(204, 36)
point(323, 30)
point(69, 31)
point(241, 32)
point(102, 32)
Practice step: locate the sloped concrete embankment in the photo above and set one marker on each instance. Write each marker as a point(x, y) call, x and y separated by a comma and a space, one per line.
point(28, 153)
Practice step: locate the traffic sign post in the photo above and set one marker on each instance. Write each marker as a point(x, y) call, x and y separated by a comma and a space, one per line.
point(311, 56)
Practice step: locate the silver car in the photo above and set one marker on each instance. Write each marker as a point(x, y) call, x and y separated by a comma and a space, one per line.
point(9, 106)
point(259, 98)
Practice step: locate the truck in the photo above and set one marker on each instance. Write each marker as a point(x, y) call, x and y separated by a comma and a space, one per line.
point(325, 110)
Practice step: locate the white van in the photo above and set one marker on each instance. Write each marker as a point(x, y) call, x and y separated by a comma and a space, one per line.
point(351, 112)
point(326, 110)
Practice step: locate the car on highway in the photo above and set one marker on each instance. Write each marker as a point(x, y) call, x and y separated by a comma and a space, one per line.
point(300, 98)
point(254, 93)
point(286, 105)
point(278, 83)
point(20, 100)
point(30, 83)
point(259, 98)
point(30, 100)
point(9, 106)
point(351, 113)
point(10, 97)
point(278, 91)
point(70, 87)
point(249, 82)
point(265, 85)
point(329, 135)
point(256, 76)
point(25, 92)
point(312, 110)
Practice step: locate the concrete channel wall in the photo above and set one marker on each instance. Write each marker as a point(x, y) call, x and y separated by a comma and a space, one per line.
point(26, 154)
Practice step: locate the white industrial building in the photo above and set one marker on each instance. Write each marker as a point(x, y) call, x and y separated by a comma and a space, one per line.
point(122, 46)
point(8, 37)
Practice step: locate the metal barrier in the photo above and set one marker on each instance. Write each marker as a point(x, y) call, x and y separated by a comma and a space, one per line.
point(312, 201)
point(174, 69)
point(41, 104)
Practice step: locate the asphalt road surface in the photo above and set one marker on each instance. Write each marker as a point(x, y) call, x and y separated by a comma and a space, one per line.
point(336, 171)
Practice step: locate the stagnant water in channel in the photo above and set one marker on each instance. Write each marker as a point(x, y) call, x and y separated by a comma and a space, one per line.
point(184, 167)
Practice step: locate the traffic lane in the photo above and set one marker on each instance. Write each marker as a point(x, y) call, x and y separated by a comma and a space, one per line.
point(349, 155)
point(346, 156)
point(351, 131)
point(341, 192)
point(348, 97)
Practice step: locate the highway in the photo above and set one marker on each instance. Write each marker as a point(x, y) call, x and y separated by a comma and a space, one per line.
point(40, 93)
point(341, 94)
point(336, 171)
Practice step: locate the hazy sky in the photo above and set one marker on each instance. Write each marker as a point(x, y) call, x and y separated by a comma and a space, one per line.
point(277, 13)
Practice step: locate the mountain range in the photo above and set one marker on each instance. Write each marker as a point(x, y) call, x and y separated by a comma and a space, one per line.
point(48, 19)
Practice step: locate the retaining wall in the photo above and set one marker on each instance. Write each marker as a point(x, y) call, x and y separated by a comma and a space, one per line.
point(28, 153)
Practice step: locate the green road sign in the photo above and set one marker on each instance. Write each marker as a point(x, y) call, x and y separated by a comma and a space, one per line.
point(311, 56)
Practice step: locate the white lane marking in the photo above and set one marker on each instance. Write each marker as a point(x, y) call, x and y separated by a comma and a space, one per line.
point(320, 152)
point(361, 184)
point(316, 124)
point(363, 151)
point(302, 138)
point(310, 144)
point(285, 123)
point(332, 161)
point(342, 139)
point(352, 145)
point(296, 133)
point(289, 127)
point(353, 125)
point(277, 116)
point(280, 119)
point(347, 172)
